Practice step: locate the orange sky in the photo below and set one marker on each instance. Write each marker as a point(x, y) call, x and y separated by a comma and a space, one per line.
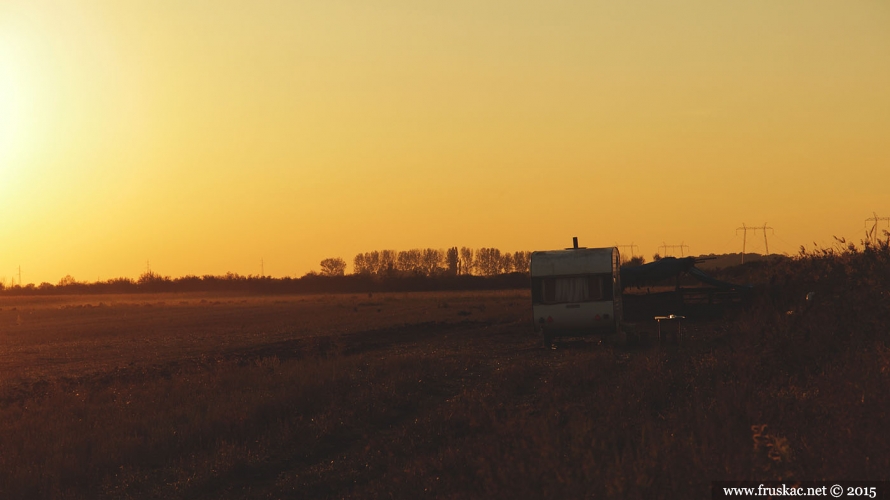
point(204, 136)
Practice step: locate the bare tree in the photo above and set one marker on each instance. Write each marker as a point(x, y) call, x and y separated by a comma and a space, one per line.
point(466, 260)
point(431, 260)
point(403, 261)
point(387, 262)
point(333, 267)
point(67, 281)
point(488, 261)
point(373, 259)
point(506, 263)
point(360, 265)
point(452, 261)
point(410, 261)
point(522, 262)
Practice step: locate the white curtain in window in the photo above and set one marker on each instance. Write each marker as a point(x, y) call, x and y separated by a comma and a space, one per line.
point(572, 290)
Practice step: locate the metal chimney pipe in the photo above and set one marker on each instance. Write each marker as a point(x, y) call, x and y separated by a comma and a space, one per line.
point(575, 242)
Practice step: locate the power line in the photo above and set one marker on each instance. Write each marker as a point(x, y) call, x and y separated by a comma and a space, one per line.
point(873, 233)
point(753, 229)
point(665, 247)
point(631, 246)
point(787, 244)
point(765, 241)
point(726, 244)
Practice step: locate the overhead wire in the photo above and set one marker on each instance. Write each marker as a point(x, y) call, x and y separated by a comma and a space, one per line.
point(785, 242)
point(726, 245)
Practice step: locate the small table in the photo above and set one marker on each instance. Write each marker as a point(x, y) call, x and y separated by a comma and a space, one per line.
point(672, 317)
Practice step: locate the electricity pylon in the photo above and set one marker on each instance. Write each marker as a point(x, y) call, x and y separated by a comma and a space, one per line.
point(631, 246)
point(665, 247)
point(754, 229)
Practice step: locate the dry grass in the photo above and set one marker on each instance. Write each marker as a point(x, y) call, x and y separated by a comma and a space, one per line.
point(432, 394)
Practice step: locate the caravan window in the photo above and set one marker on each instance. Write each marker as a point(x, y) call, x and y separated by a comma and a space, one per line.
point(568, 289)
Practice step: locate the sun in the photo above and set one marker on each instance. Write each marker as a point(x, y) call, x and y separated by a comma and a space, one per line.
point(13, 102)
point(14, 167)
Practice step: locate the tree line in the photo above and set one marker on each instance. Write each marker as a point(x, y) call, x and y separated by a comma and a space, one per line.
point(431, 262)
point(388, 270)
point(312, 282)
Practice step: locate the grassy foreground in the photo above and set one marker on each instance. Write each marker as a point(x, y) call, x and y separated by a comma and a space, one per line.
point(440, 394)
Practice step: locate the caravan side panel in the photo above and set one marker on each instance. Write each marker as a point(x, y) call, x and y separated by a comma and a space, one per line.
point(576, 290)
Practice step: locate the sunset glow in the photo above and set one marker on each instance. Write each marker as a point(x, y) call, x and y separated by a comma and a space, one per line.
point(207, 137)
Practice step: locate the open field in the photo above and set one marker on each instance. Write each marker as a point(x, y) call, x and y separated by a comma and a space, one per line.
point(421, 394)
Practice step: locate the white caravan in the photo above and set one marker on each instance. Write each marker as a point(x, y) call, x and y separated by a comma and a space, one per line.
point(576, 291)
